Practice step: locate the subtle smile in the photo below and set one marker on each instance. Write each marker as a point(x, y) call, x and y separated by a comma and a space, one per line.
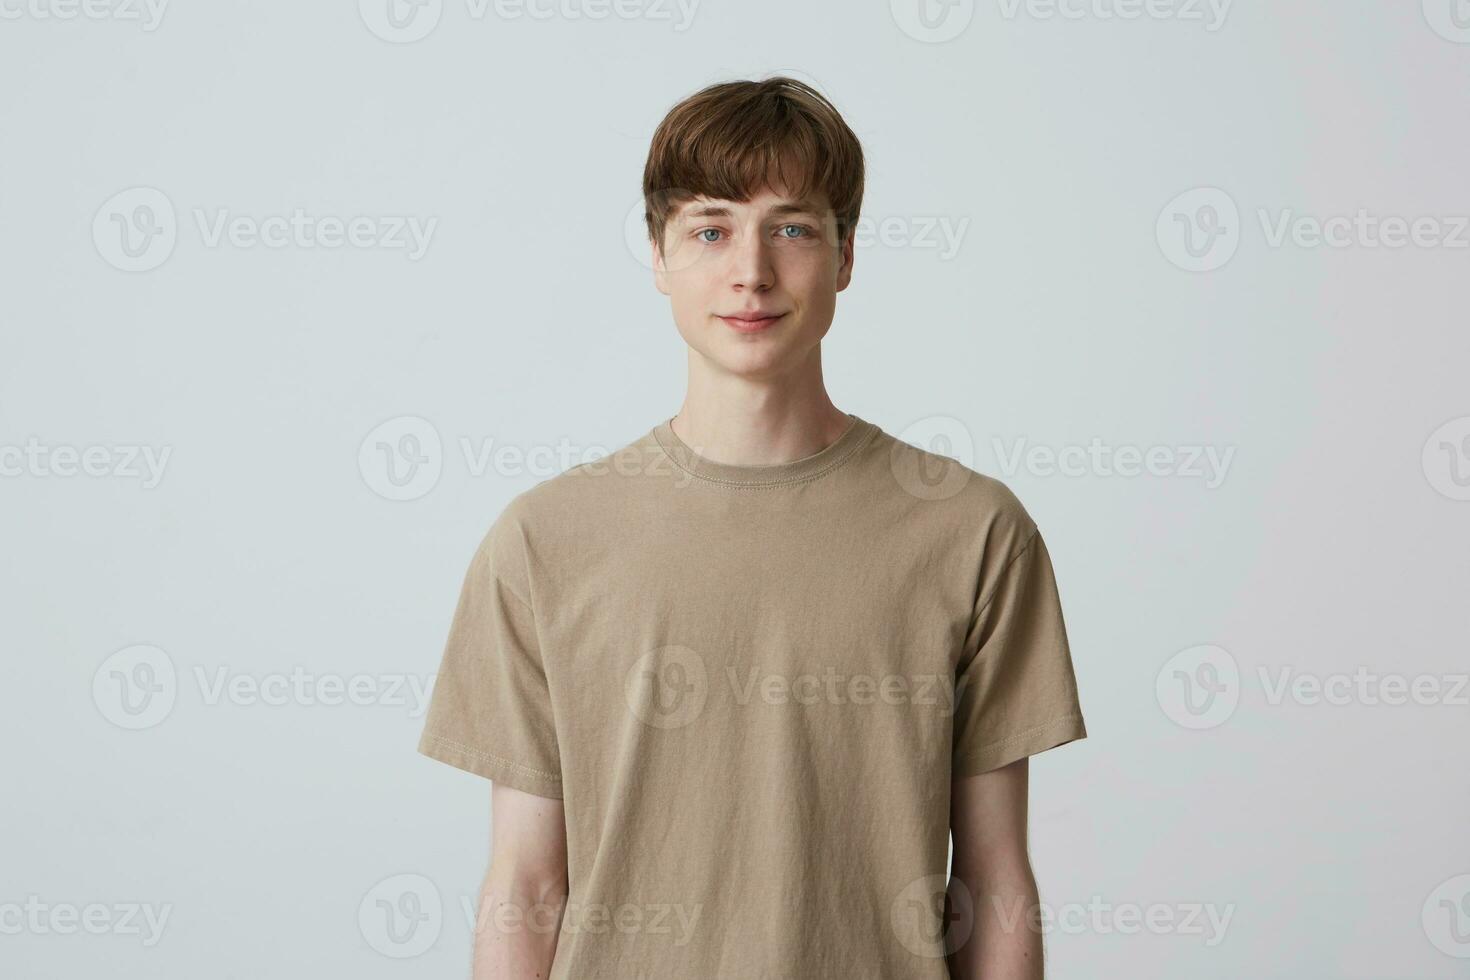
point(752, 322)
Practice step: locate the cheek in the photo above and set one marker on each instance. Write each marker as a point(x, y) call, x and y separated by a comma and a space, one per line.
point(692, 309)
point(814, 267)
point(812, 280)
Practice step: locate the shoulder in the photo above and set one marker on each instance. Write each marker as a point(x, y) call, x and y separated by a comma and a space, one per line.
point(969, 504)
point(562, 506)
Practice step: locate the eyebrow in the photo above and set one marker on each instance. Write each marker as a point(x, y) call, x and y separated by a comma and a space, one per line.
point(720, 211)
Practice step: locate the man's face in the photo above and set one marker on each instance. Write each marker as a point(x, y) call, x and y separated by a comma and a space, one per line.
point(774, 254)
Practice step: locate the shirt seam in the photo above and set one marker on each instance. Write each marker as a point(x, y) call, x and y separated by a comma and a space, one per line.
point(488, 757)
point(741, 484)
point(1022, 734)
point(1000, 579)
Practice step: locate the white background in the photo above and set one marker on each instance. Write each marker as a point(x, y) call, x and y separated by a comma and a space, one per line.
point(1334, 543)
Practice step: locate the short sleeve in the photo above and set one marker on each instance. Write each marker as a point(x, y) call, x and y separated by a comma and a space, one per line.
point(490, 710)
point(1015, 687)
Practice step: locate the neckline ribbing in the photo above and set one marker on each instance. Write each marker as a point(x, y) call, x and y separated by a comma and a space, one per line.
point(809, 467)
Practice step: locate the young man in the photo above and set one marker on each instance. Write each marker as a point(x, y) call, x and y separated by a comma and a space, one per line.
point(735, 684)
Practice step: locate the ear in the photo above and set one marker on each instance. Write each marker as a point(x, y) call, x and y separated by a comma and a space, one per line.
point(846, 255)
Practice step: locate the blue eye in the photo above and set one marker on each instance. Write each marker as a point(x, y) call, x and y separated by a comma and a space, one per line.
point(802, 231)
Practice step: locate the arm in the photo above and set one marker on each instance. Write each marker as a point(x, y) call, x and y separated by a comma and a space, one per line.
point(992, 866)
point(524, 893)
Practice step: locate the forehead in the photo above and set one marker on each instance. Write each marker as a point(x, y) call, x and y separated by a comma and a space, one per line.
point(765, 202)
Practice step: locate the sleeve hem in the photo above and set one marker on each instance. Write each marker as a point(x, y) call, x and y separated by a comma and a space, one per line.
point(537, 782)
point(1060, 731)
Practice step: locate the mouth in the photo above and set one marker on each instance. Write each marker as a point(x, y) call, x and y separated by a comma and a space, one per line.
point(752, 322)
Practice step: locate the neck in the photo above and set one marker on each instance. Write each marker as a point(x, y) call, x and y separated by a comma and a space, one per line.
point(731, 419)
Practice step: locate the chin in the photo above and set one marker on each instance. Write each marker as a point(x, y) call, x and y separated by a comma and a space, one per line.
point(753, 360)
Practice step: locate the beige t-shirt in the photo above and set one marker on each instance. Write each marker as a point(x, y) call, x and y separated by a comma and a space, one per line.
point(752, 686)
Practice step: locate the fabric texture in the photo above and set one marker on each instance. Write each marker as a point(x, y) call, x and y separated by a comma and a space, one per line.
point(752, 686)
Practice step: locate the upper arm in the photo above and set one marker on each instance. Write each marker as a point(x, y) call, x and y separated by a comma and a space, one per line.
point(528, 836)
point(988, 821)
point(524, 894)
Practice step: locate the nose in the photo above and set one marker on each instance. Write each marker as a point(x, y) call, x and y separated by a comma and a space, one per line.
point(750, 262)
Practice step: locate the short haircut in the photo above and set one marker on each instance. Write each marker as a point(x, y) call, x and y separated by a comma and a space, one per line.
point(728, 140)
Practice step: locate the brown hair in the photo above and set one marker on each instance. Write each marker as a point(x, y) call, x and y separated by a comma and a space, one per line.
point(728, 139)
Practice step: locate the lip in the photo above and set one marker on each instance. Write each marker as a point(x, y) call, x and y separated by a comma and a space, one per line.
point(758, 323)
